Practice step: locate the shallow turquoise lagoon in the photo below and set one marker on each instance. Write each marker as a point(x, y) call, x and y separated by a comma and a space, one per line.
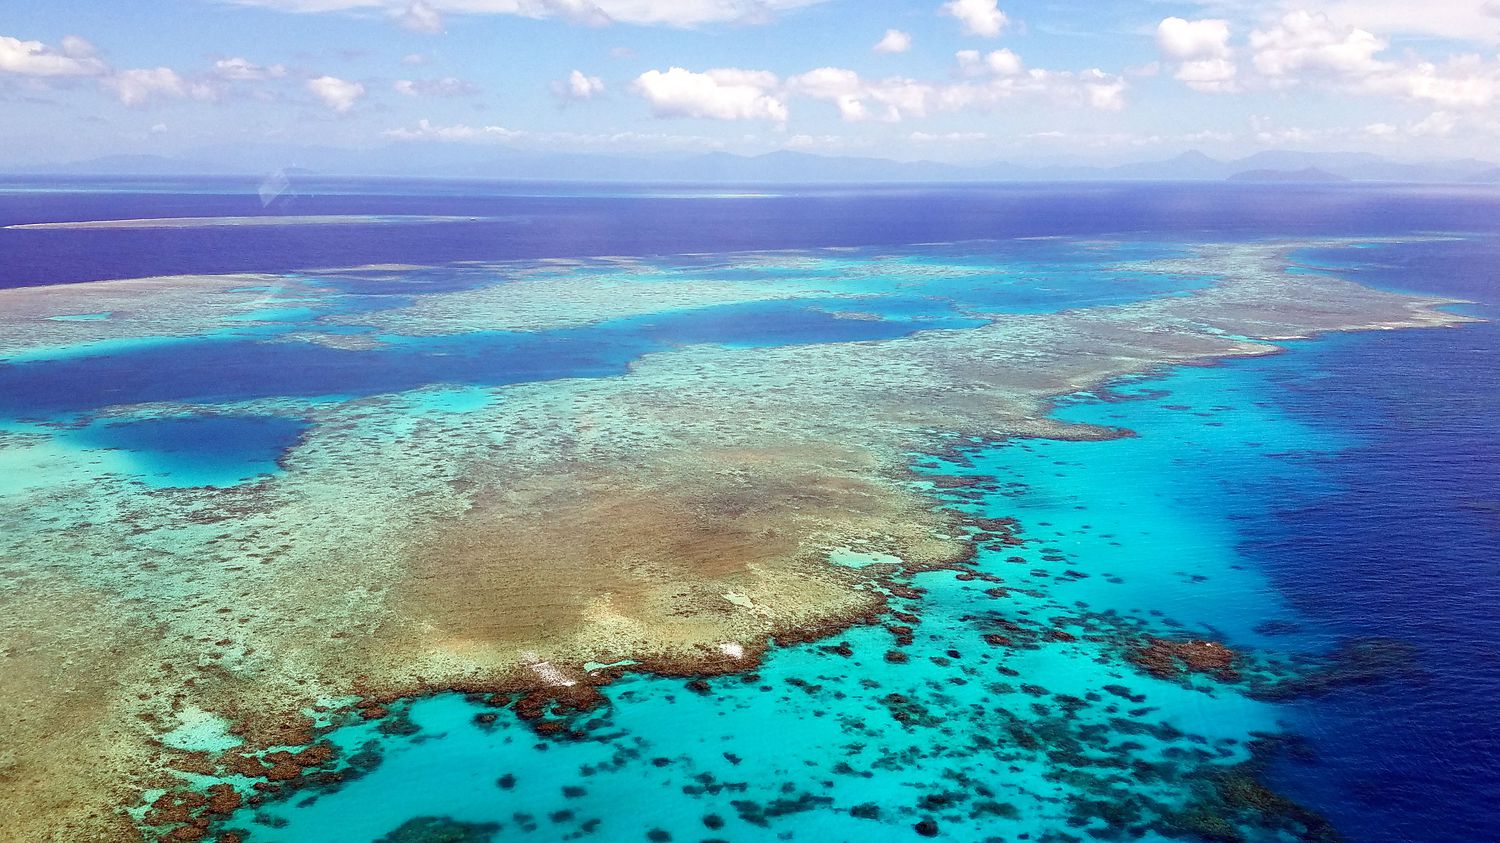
point(1045, 737)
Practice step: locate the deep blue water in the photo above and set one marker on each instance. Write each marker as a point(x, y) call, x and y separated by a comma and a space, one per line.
point(1399, 538)
point(1407, 546)
point(571, 221)
point(198, 450)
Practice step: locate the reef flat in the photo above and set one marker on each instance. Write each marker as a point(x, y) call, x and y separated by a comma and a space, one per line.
point(676, 509)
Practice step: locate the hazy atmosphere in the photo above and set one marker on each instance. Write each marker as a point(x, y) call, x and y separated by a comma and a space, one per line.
point(432, 85)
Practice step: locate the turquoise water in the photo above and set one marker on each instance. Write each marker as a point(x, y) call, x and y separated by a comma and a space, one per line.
point(1044, 736)
point(1001, 701)
point(184, 451)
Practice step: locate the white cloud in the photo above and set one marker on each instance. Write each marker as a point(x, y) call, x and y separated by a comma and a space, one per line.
point(1103, 91)
point(425, 130)
point(415, 59)
point(340, 95)
point(144, 85)
point(990, 80)
point(895, 41)
point(1314, 49)
point(1002, 76)
point(1185, 40)
point(1091, 87)
point(421, 17)
point(1304, 42)
point(1437, 124)
point(896, 97)
point(1202, 49)
point(33, 58)
point(1461, 20)
point(78, 48)
point(134, 87)
point(1308, 48)
point(1002, 62)
point(721, 94)
point(242, 70)
point(448, 86)
point(979, 17)
point(577, 87)
point(427, 14)
point(1209, 74)
point(1461, 83)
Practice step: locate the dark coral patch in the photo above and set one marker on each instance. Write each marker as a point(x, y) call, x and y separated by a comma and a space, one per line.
point(441, 830)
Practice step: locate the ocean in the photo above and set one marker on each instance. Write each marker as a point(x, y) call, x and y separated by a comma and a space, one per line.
point(1329, 513)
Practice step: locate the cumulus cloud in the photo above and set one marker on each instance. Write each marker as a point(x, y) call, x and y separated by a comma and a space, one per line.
point(979, 17)
point(1461, 83)
point(1185, 40)
point(1437, 124)
point(144, 85)
point(1304, 48)
point(421, 17)
point(1000, 75)
point(988, 81)
point(720, 94)
point(339, 95)
point(1209, 75)
point(427, 15)
point(226, 78)
point(1461, 20)
point(577, 87)
point(33, 58)
point(892, 99)
point(895, 41)
point(448, 86)
point(1202, 49)
point(1003, 62)
point(584, 12)
point(1304, 42)
point(135, 87)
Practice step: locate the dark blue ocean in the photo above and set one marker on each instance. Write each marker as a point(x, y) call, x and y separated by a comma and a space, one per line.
point(1399, 538)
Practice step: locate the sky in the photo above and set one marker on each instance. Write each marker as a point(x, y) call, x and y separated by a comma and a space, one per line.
point(1101, 81)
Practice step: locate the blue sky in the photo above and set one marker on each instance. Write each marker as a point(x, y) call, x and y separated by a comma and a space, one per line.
point(954, 80)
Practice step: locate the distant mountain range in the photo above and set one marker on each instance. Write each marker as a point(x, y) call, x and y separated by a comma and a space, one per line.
point(482, 162)
point(1311, 174)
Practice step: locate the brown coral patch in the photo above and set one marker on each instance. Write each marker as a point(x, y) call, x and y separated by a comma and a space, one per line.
point(1166, 658)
